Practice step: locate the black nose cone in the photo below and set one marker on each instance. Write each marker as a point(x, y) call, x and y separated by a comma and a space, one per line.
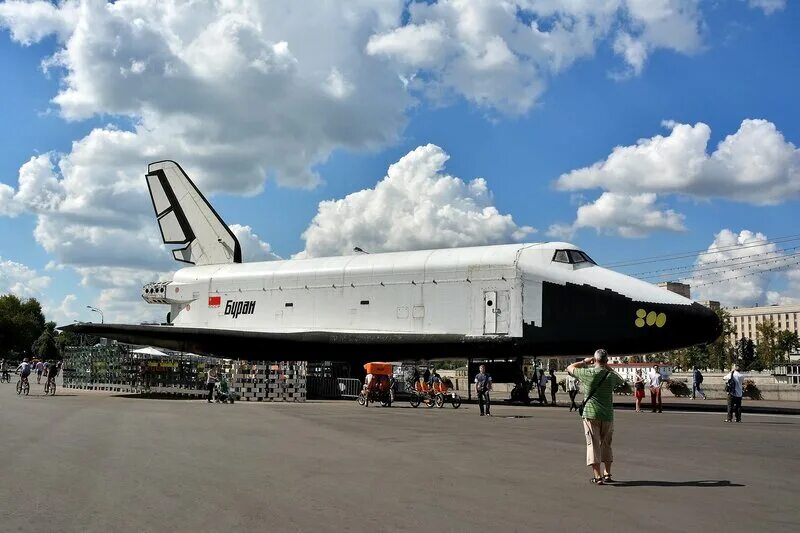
point(704, 324)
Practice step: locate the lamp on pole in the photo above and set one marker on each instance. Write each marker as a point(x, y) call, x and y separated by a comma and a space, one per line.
point(96, 310)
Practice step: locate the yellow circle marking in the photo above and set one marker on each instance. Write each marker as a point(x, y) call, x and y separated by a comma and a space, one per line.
point(639, 323)
point(661, 319)
point(651, 318)
point(641, 313)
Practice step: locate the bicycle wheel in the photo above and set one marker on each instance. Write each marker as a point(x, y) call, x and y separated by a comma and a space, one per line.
point(415, 399)
point(360, 399)
point(456, 401)
point(439, 400)
point(26, 388)
point(19, 387)
point(52, 388)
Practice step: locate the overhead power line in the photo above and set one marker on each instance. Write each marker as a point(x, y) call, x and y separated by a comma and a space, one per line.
point(718, 261)
point(781, 261)
point(774, 269)
point(694, 253)
point(725, 266)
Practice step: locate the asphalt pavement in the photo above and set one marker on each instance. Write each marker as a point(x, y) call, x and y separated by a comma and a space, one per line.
point(82, 461)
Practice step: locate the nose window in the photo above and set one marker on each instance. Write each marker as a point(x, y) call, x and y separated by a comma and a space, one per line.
point(561, 256)
point(572, 256)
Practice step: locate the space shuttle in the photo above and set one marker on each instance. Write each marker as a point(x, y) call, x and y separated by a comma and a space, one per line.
point(501, 301)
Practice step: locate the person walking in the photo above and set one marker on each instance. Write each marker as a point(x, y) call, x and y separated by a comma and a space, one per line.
point(697, 380)
point(483, 385)
point(638, 389)
point(211, 381)
point(541, 385)
point(572, 390)
point(734, 386)
point(598, 382)
point(39, 371)
point(553, 387)
point(655, 389)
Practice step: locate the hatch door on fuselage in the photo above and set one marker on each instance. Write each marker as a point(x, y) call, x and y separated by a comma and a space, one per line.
point(495, 307)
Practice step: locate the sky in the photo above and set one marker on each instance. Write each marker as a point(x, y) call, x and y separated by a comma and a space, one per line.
point(632, 128)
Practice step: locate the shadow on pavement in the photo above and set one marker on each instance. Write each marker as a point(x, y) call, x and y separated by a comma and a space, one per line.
point(157, 397)
point(702, 483)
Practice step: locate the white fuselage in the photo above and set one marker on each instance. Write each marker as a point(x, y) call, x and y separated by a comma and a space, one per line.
point(486, 290)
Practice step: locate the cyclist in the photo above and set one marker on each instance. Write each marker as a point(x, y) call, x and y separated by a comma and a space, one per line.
point(24, 370)
point(52, 372)
point(4, 370)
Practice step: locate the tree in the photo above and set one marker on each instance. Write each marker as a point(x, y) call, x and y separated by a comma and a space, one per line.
point(21, 323)
point(786, 343)
point(746, 354)
point(67, 338)
point(721, 352)
point(46, 346)
point(767, 350)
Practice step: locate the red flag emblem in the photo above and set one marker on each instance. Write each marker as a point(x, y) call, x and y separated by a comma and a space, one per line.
point(214, 301)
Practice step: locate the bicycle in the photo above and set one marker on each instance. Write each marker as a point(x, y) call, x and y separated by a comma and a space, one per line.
point(50, 387)
point(5, 377)
point(23, 387)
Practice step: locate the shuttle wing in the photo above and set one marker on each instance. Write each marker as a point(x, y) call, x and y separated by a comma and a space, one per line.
point(300, 346)
point(185, 217)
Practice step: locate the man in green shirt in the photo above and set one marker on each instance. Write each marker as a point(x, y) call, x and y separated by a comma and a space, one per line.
point(598, 381)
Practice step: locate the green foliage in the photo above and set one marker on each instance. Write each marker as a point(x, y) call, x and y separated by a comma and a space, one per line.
point(786, 343)
point(450, 364)
point(746, 354)
point(46, 346)
point(767, 351)
point(750, 389)
point(721, 353)
point(678, 388)
point(21, 323)
point(67, 338)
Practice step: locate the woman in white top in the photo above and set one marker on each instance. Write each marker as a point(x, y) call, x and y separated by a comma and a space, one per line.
point(572, 390)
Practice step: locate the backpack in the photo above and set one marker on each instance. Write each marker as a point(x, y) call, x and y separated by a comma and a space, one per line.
point(730, 385)
point(699, 378)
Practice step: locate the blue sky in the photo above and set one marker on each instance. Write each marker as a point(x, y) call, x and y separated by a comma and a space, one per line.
point(735, 62)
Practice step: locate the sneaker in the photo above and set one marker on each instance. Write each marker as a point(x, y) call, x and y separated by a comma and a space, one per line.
point(726, 420)
point(482, 414)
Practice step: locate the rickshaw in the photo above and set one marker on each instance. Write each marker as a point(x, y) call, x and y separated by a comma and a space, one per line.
point(443, 392)
point(378, 387)
point(422, 393)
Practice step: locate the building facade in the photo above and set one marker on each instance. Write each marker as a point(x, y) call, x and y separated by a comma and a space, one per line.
point(745, 319)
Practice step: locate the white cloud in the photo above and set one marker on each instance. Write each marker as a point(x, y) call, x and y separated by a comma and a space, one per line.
point(736, 271)
point(21, 280)
point(253, 248)
point(625, 215)
point(754, 165)
point(416, 206)
point(65, 312)
point(768, 6)
point(499, 54)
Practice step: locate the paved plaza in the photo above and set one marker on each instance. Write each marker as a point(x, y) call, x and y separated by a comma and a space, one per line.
point(97, 462)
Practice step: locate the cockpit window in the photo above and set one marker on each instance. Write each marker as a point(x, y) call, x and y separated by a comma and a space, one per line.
point(561, 256)
point(572, 256)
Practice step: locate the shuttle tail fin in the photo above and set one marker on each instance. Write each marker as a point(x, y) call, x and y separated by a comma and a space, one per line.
point(185, 217)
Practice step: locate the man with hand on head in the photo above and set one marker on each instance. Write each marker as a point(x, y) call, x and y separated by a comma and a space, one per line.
point(597, 410)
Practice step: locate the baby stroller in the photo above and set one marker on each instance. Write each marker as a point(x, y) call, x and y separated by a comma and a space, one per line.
point(223, 392)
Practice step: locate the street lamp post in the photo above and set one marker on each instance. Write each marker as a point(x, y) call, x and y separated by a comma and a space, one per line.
point(96, 310)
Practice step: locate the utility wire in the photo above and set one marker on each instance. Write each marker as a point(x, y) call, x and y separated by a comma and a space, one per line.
point(695, 265)
point(683, 255)
point(736, 265)
point(774, 269)
point(744, 268)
